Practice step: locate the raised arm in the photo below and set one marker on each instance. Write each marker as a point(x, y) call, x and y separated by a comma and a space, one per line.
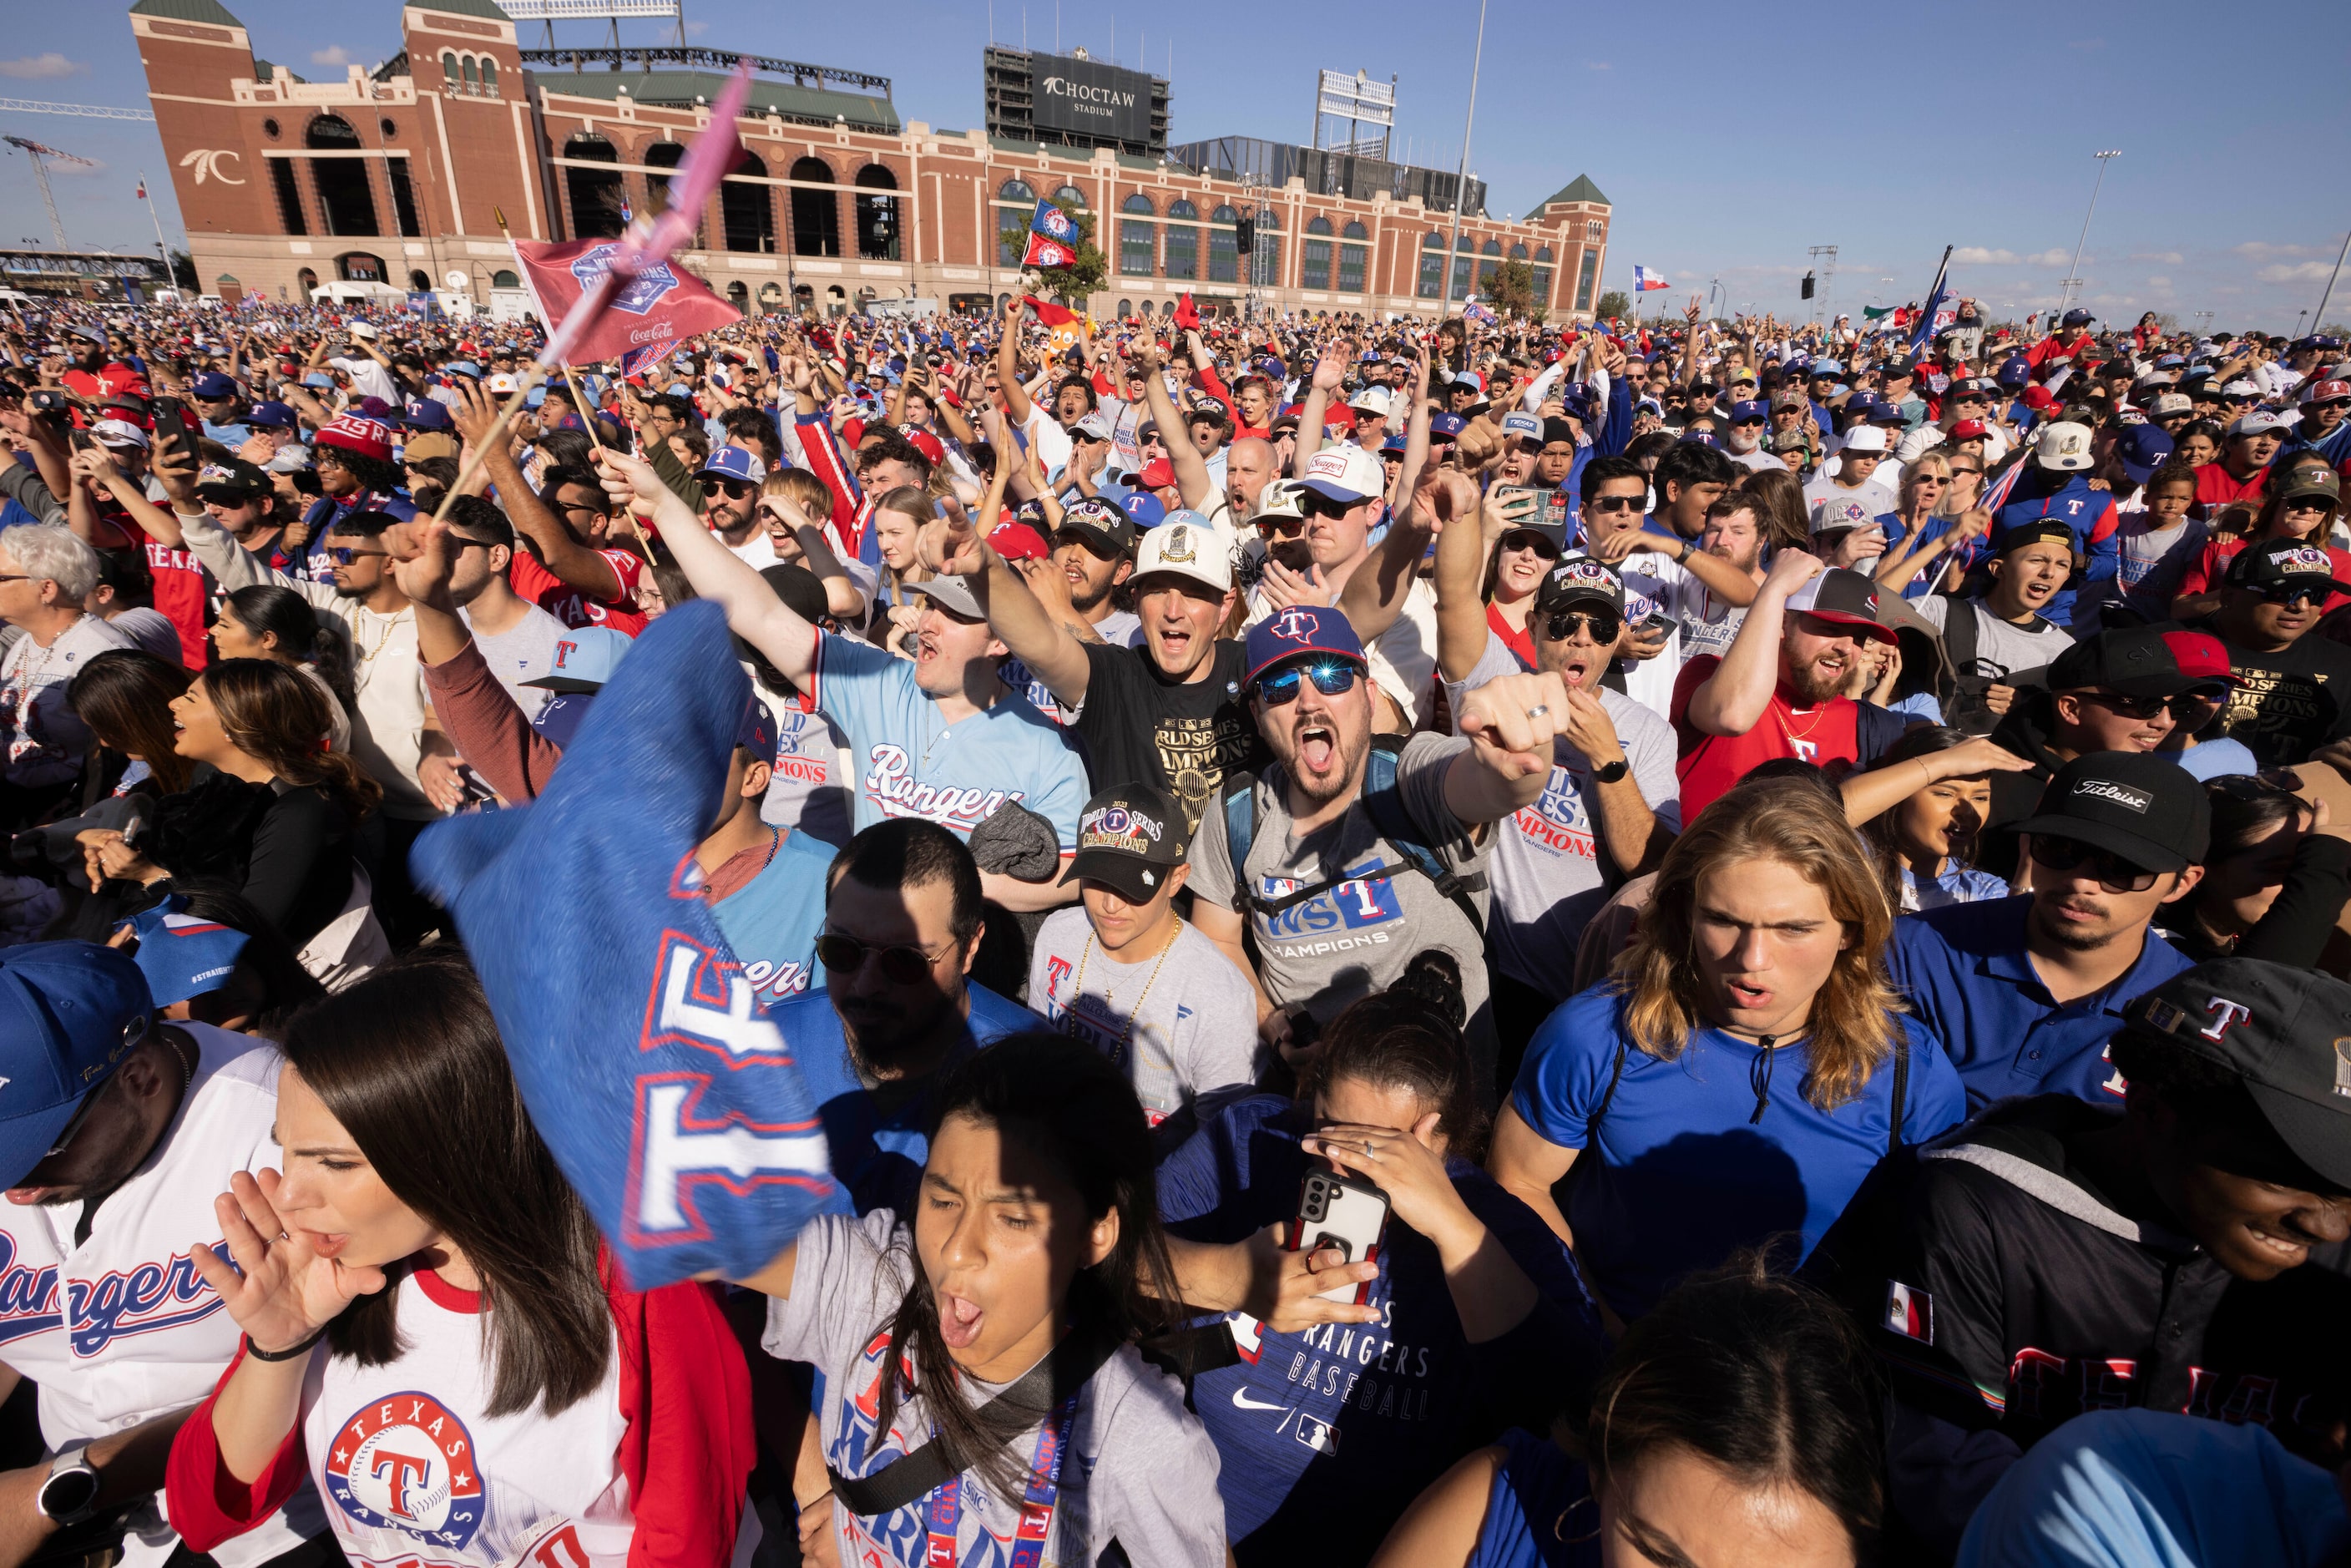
point(1329, 375)
point(1007, 361)
point(1733, 698)
point(1191, 469)
point(1461, 557)
point(475, 413)
point(753, 611)
point(1013, 613)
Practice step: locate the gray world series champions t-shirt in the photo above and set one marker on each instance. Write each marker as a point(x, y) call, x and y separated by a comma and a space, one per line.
point(1140, 1469)
point(1355, 937)
point(1179, 1022)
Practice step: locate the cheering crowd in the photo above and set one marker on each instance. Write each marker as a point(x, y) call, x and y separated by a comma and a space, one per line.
point(1286, 858)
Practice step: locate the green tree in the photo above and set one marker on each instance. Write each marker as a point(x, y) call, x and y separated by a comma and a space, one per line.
point(1614, 303)
point(1514, 291)
point(1072, 284)
point(183, 271)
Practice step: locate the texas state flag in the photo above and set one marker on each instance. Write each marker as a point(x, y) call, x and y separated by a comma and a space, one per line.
point(1644, 280)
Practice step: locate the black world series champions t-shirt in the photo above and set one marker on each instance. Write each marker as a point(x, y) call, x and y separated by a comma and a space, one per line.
point(2288, 704)
point(1140, 726)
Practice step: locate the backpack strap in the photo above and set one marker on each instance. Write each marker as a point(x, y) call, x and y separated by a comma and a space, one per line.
point(1240, 832)
point(1383, 803)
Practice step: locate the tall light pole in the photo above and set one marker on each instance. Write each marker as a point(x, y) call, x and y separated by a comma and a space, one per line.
point(2318, 316)
point(2072, 282)
point(1461, 178)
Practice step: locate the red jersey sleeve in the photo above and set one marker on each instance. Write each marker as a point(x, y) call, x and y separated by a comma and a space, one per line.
point(1694, 675)
point(686, 1394)
point(208, 1505)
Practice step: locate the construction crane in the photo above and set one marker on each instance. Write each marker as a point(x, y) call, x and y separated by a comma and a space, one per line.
point(40, 155)
point(84, 110)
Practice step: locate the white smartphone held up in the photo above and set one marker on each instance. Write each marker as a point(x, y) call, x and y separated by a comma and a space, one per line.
point(1344, 1213)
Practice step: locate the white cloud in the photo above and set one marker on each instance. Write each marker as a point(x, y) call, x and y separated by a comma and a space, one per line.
point(2158, 283)
point(2301, 272)
point(1977, 255)
point(696, 29)
point(334, 56)
point(1598, 66)
point(62, 171)
point(2168, 257)
point(2054, 256)
point(42, 68)
point(2256, 250)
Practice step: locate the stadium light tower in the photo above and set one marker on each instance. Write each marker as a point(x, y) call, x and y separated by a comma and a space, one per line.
point(39, 155)
point(1461, 179)
point(2073, 280)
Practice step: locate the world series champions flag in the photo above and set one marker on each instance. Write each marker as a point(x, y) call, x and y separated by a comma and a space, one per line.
point(671, 1102)
point(647, 315)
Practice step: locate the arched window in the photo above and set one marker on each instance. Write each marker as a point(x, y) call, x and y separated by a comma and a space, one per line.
point(771, 298)
point(1182, 257)
point(1137, 241)
point(749, 210)
point(816, 215)
point(1465, 258)
point(1071, 194)
point(418, 283)
point(466, 66)
point(1017, 207)
point(1519, 252)
point(877, 216)
point(1352, 258)
point(738, 295)
point(345, 198)
point(665, 155)
point(490, 77)
point(1224, 257)
point(449, 67)
point(597, 194)
point(1432, 265)
point(1489, 264)
point(306, 280)
point(1542, 276)
point(358, 267)
point(1126, 308)
point(504, 278)
point(1314, 258)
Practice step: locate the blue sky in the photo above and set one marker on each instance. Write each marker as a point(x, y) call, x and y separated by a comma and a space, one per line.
point(1729, 137)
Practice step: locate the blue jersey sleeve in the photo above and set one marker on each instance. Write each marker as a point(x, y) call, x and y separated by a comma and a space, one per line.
point(1567, 1067)
point(863, 689)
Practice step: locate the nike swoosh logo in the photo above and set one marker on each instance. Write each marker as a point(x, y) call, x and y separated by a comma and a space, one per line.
point(1241, 1398)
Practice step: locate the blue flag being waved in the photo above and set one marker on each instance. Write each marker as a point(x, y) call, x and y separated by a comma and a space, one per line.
point(671, 1102)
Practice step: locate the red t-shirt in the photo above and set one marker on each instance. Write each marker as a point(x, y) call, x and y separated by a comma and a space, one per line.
point(573, 608)
point(1711, 764)
point(2216, 486)
point(184, 589)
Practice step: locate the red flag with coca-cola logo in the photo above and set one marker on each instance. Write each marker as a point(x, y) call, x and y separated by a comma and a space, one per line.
point(663, 304)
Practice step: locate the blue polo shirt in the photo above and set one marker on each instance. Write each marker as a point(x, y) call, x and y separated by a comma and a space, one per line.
point(1969, 978)
point(880, 1136)
point(1678, 1171)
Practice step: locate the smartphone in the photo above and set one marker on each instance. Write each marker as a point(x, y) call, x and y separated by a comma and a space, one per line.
point(1344, 1212)
point(172, 419)
point(1549, 511)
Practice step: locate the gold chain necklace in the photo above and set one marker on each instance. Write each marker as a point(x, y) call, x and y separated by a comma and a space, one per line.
point(1078, 990)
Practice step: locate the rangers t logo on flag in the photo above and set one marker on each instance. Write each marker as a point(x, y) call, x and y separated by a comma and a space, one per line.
point(1045, 252)
point(1909, 1311)
point(1054, 223)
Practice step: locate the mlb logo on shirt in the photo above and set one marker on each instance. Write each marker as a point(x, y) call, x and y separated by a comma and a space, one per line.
point(1909, 1313)
point(1319, 1436)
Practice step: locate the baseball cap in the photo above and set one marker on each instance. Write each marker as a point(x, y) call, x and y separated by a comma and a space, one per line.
point(1186, 545)
point(1792, 441)
point(2015, 371)
point(2274, 562)
point(2202, 658)
point(2140, 806)
point(425, 413)
point(1967, 430)
point(1887, 414)
point(2064, 447)
point(210, 385)
point(757, 733)
point(1101, 519)
point(184, 954)
point(2166, 404)
point(1580, 579)
point(1279, 499)
point(2039, 530)
point(231, 484)
point(118, 432)
point(2143, 449)
point(1746, 410)
point(1155, 474)
point(291, 458)
point(1847, 597)
point(69, 1013)
point(1829, 368)
point(2240, 389)
point(2039, 398)
point(352, 433)
point(1018, 541)
point(2077, 317)
point(1093, 427)
point(952, 594)
point(733, 462)
point(2328, 392)
point(2261, 422)
point(1347, 475)
point(1525, 426)
point(1835, 514)
point(1129, 836)
point(1146, 510)
point(503, 382)
point(2284, 1031)
point(275, 415)
point(1370, 399)
point(1297, 631)
point(427, 444)
point(585, 657)
point(1444, 428)
point(2308, 480)
point(1865, 438)
point(2133, 660)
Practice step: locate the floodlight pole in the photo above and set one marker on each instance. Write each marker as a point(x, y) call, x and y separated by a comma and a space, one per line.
point(2074, 278)
point(1461, 178)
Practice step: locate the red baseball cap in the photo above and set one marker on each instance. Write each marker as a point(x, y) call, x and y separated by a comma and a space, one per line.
point(1157, 473)
point(2039, 397)
point(2201, 658)
point(1018, 541)
point(2328, 391)
point(928, 444)
point(1967, 430)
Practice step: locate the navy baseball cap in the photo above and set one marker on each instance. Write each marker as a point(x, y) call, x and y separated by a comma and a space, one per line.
point(2143, 449)
point(758, 732)
point(1749, 412)
point(1445, 426)
point(69, 1013)
point(276, 415)
point(426, 413)
point(1299, 632)
point(733, 462)
point(2077, 317)
point(184, 954)
point(210, 385)
point(585, 657)
point(560, 720)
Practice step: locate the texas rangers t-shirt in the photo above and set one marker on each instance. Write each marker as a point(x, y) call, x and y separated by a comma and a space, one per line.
point(1179, 1019)
point(772, 921)
point(567, 604)
point(1546, 857)
point(910, 762)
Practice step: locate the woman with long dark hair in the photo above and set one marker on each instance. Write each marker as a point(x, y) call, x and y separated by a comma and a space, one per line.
point(1921, 811)
point(125, 698)
point(1469, 1315)
point(432, 1337)
point(268, 621)
point(995, 1336)
point(2275, 877)
point(1737, 1423)
point(267, 810)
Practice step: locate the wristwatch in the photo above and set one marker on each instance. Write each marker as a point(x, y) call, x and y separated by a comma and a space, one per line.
point(1613, 771)
point(70, 1495)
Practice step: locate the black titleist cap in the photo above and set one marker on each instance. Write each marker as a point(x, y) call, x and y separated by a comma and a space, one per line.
point(2285, 1032)
point(2145, 808)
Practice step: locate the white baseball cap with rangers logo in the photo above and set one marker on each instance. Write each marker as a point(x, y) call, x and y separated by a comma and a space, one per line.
point(1347, 475)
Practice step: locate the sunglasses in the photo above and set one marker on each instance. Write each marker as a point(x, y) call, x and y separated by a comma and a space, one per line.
point(2291, 597)
point(1319, 506)
point(2114, 873)
point(2307, 504)
point(1957, 471)
point(1605, 625)
point(733, 489)
point(900, 966)
point(1606, 504)
point(2186, 706)
point(1330, 679)
point(343, 555)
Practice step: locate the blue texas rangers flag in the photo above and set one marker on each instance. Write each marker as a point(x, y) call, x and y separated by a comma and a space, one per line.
point(671, 1102)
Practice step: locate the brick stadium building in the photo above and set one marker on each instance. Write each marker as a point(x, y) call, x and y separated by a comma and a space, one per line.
point(395, 175)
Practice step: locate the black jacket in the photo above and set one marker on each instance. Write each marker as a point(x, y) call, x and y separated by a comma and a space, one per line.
point(2005, 1294)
